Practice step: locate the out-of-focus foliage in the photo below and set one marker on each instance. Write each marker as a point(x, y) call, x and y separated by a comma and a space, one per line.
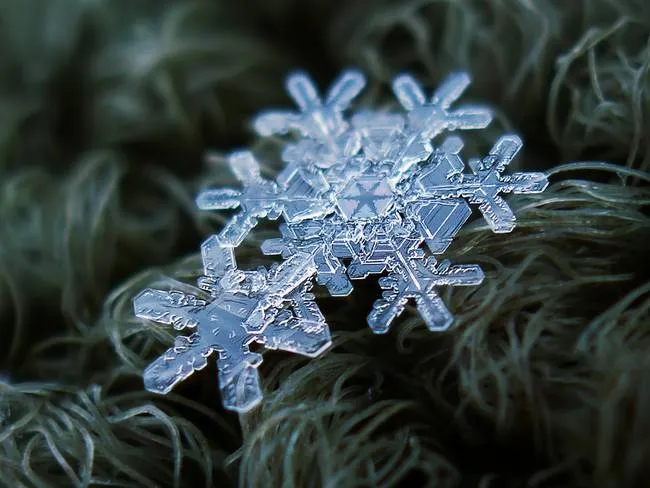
point(106, 108)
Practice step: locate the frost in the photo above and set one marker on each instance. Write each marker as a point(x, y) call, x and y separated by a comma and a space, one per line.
point(372, 191)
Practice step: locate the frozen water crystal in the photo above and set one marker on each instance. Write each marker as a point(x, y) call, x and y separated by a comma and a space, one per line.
point(362, 195)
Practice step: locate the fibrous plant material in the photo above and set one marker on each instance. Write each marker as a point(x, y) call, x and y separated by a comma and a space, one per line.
point(370, 194)
point(542, 381)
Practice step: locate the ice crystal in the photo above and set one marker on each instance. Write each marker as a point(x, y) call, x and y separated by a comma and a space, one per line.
point(360, 195)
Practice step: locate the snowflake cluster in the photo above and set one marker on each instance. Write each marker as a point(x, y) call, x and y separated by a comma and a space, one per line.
point(359, 195)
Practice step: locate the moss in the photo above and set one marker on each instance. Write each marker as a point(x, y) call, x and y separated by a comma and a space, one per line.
point(106, 109)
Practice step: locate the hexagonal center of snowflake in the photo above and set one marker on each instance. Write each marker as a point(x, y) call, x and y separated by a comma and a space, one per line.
point(365, 197)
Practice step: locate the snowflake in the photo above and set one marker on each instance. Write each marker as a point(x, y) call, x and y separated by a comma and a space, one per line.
point(272, 307)
point(363, 195)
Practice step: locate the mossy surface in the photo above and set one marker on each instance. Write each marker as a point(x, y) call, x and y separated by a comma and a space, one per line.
point(106, 110)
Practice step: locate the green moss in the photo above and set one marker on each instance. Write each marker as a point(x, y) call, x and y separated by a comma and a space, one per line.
point(106, 108)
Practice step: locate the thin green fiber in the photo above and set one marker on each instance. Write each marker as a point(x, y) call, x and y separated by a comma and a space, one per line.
point(107, 109)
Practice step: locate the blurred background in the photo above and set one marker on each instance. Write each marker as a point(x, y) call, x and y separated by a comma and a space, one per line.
point(107, 109)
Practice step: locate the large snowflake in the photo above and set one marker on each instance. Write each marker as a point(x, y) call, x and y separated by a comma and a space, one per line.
point(359, 195)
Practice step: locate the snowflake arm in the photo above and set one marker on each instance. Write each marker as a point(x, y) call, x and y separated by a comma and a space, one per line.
point(430, 118)
point(418, 281)
point(259, 198)
point(217, 259)
point(301, 330)
point(318, 120)
point(439, 221)
point(168, 307)
point(303, 191)
point(316, 239)
point(442, 180)
point(179, 362)
point(188, 353)
point(412, 275)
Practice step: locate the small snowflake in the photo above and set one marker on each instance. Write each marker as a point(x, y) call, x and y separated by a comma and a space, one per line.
point(372, 191)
